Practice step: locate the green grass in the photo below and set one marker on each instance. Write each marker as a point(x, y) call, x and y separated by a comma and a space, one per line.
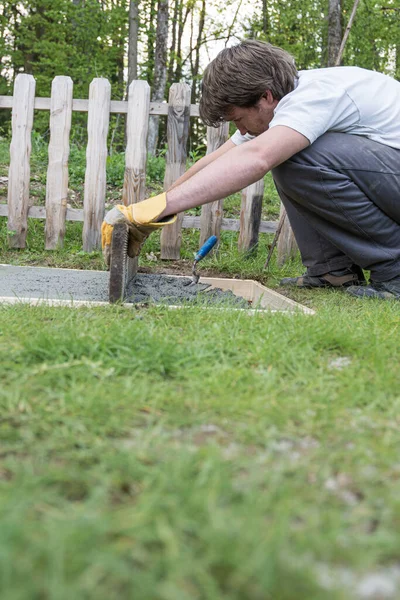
point(191, 454)
point(187, 454)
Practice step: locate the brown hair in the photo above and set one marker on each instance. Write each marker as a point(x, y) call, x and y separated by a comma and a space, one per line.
point(240, 75)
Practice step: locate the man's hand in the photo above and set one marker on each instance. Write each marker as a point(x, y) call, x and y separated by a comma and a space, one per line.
point(141, 219)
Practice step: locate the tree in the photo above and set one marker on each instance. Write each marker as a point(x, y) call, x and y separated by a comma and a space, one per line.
point(160, 71)
point(133, 38)
point(373, 36)
point(334, 30)
point(295, 25)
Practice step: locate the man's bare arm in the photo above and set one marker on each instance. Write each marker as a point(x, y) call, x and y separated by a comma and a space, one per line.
point(235, 169)
point(203, 162)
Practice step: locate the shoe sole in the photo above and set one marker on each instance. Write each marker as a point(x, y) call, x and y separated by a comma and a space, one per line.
point(370, 292)
point(310, 286)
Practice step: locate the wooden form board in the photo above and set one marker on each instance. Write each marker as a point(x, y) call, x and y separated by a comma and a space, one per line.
point(257, 293)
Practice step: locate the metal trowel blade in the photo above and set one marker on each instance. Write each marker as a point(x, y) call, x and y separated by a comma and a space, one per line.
point(118, 263)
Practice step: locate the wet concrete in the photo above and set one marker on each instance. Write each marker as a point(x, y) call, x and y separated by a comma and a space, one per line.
point(170, 290)
point(65, 284)
point(58, 284)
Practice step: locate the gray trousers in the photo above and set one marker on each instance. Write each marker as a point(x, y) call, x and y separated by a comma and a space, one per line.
point(342, 197)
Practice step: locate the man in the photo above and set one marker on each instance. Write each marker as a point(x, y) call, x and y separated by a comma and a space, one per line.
point(331, 138)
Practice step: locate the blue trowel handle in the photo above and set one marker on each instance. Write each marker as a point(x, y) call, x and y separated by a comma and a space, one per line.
point(206, 247)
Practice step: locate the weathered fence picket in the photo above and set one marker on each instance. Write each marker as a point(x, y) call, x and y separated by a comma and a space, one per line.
point(57, 172)
point(286, 244)
point(136, 135)
point(135, 153)
point(250, 216)
point(211, 213)
point(96, 159)
point(177, 137)
point(20, 152)
point(99, 107)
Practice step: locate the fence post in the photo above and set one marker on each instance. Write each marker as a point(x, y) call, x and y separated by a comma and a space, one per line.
point(286, 245)
point(212, 213)
point(57, 171)
point(137, 125)
point(177, 136)
point(96, 158)
point(20, 153)
point(250, 215)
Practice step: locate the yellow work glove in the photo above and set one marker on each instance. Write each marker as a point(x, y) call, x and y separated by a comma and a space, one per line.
point(140, 218)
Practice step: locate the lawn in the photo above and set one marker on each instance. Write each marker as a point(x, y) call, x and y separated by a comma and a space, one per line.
point(198, 455)
point(160, 454)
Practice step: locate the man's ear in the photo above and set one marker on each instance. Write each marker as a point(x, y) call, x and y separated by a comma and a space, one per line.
point(268, 96)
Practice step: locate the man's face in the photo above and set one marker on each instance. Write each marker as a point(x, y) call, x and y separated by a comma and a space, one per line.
point(254, 119)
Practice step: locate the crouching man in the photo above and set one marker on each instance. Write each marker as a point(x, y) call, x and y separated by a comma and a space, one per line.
point(331, 138)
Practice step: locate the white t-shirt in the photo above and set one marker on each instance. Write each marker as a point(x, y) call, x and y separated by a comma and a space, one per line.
point(344, 99)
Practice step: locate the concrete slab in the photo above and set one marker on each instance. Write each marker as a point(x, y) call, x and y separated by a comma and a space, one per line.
point(58, 284)
point(76, 287)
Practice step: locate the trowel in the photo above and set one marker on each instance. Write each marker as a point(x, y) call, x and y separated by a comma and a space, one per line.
point(122, 267)
point(204, 250)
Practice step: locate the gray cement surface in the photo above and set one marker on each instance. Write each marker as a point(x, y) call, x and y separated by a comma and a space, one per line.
point(65, 284)
point(170, 290)
point(57, 284)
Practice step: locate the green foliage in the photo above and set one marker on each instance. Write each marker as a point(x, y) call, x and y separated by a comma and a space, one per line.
point(77, 165)
point(116, 169)
point(300, 27)
point(4, 152)
point(58, 37)
point(87, 39)
point(374, 39)
point(296, 26)
point(39, 152)
point(70, 256)
point(155, 169)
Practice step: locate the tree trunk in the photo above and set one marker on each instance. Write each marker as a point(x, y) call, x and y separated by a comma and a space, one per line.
point(265, 17)
point(160, 71)
point(334, 30)
point(150, 43)
point(133, 41)
point(182, 18)
point(196, 64)
point(172, 50)
point(119, 43)
point(195, 67)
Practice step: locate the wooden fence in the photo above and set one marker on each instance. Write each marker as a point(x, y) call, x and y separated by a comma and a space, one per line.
point(99, 106)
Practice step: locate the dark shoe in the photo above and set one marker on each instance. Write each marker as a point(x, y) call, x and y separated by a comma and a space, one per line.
point(385, 290)
point(352, 276)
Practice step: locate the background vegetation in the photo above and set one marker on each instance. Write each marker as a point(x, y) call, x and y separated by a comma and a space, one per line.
point(166, 42)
